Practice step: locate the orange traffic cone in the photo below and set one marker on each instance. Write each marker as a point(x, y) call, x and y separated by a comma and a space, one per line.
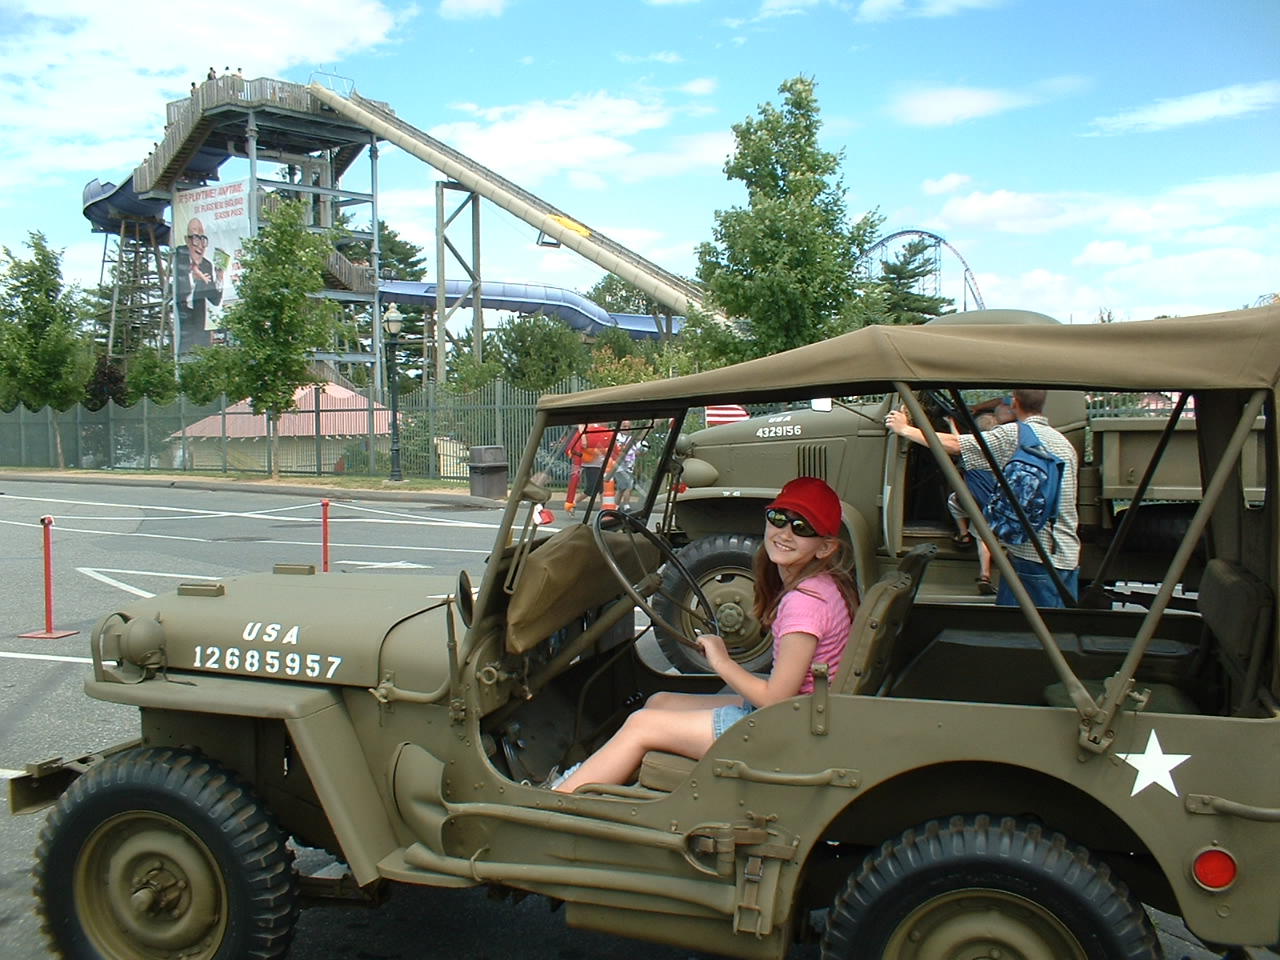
point(610, 495)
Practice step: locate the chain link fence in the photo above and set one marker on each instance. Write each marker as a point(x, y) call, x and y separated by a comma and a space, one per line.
point(331, 431)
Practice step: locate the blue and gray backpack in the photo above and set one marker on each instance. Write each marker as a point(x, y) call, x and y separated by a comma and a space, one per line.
point(1035, 477)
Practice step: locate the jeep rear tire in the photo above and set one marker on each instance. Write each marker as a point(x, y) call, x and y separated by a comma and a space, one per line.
point(978, 887)
point(159, 853)
point(722, 566)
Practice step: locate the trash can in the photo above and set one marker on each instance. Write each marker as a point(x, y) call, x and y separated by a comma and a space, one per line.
point(489, 472)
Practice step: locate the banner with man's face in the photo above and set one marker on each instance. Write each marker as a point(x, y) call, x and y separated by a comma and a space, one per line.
point(210, 225)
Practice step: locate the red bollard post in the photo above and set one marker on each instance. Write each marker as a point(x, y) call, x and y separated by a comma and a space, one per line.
point(324, 536)
point(48, 633)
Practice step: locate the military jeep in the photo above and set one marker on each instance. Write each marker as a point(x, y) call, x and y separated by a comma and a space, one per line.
point(975, 782)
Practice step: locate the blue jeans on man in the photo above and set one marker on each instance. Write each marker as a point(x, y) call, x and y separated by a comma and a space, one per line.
point(1038, 583)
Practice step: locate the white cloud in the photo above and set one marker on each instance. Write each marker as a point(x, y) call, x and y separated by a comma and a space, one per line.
point(1203, 204)
point(1112, 253)
point(887, 9)
point(526, 59)
point(1203, 273)
point(943, 106)
point(1230, 101)
point(662, 56)
point(59, 120)
point(589, 133)
point(702, 87)
point(783, 8)
point(586, 180)
point(468, 9)
point(945, 184)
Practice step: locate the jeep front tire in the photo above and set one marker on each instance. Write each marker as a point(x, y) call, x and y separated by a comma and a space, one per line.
point(159, 853)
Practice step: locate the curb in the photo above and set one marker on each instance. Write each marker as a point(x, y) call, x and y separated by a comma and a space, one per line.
point(443, 498)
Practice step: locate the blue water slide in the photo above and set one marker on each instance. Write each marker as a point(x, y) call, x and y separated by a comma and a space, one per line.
point(573, 308)
point(106, 204)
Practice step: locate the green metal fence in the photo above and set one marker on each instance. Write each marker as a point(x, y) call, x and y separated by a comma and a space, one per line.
point(437, 429)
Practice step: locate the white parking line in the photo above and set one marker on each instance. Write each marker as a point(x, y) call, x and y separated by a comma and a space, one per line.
point(271, 513)
point(51, 657)
point(112, 582)
point(268, 541)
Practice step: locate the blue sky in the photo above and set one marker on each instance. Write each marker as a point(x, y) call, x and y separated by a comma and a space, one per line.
point(1080, 155)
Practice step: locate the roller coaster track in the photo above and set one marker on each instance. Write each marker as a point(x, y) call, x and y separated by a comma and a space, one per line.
point(970, 281)
point(673, 292)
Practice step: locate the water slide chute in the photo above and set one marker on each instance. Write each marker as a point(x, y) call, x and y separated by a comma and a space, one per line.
point(575, 310)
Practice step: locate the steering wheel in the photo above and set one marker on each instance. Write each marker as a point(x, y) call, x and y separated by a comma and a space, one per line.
point(633, 527)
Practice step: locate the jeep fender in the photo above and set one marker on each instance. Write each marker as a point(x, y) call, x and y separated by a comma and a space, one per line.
point(321, 731)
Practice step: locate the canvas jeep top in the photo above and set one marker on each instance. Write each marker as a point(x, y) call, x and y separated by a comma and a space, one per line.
point(977, 782)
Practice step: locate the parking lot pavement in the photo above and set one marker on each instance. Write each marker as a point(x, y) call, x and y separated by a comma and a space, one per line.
point(113, 544)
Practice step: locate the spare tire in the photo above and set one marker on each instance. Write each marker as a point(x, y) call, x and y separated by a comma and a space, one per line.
point(722, 566)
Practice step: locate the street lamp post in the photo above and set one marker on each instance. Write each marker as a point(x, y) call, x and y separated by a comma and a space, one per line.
point(392, 321)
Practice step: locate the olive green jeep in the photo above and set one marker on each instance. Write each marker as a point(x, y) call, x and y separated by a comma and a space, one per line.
point(976, 782)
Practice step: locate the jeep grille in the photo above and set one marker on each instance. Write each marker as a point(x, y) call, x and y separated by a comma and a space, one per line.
point(811, 460)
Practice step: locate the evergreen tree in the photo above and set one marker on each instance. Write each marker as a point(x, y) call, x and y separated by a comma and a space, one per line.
point(277, 321)
point(785, 266)
point(900, 282)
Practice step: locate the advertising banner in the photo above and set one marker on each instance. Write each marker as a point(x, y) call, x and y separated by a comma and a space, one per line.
point(210, 225)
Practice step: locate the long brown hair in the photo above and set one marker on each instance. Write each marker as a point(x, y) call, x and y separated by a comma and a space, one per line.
point(770, 587)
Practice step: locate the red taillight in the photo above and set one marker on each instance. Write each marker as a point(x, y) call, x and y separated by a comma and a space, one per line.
point(1214, 869)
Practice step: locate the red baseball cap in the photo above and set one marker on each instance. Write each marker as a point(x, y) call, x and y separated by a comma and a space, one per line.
point(814, 500)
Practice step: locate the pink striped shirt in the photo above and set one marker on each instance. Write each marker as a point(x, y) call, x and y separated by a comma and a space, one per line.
point(816, 607)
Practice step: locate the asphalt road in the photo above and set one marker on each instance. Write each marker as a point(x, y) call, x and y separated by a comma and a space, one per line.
point(115, 543)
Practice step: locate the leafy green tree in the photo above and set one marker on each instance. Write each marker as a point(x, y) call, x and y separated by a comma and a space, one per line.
point(617, 341)
point(277, 321)
point(785, 266)
point(151, 373)
point(211, 372)
point(45, 356)
point(900, 281)
point(464, 374)
point(620, 296)
point(537, 352)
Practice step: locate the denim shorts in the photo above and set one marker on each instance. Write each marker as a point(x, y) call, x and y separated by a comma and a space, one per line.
point(722, 718)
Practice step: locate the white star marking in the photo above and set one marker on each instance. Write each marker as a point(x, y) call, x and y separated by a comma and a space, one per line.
point(1153, 766)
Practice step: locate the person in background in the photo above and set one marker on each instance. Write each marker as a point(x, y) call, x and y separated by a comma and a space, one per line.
point(805, 593)
point(1059, 537)
point(982, 484)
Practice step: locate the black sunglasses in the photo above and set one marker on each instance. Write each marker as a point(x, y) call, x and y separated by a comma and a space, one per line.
point(197, 236)
point(799, 525)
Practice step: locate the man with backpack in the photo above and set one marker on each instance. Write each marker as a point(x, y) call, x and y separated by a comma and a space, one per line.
point(1033, 456)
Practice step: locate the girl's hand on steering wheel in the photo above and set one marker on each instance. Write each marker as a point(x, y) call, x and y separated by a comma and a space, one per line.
point(713, 648)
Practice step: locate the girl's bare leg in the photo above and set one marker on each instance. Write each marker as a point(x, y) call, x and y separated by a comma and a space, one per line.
point(664, 700)
point(687, 732)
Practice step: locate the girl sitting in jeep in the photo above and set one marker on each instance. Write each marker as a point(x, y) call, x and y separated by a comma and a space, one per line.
point(805, 593)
